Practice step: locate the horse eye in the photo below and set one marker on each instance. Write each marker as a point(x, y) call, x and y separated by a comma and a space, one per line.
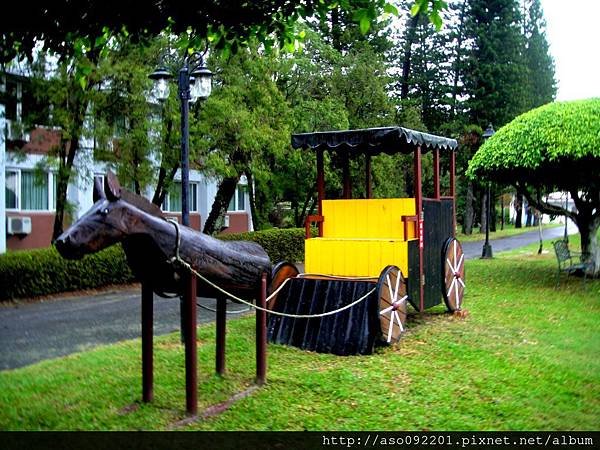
point(104, 211)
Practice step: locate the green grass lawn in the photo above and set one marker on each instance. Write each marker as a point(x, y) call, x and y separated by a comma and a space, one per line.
point(526, 358)
point(509, 230)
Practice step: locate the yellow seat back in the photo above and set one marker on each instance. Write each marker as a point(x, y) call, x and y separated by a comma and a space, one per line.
point(367, 219)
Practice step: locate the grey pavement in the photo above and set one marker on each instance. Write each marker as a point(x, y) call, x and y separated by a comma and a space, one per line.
point(33, 331)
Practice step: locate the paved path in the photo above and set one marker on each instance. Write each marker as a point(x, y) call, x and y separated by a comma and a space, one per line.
point(30, 332)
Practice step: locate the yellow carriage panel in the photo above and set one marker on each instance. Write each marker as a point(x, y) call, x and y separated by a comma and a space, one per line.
point(366, 219)
point(361, 237)
point(354, 257)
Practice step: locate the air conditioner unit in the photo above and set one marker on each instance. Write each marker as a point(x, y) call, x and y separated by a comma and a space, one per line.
point(18, 225)
point(226, 221)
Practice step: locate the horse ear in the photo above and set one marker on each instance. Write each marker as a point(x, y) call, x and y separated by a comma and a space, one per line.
point(98, 190)
point(112, 187)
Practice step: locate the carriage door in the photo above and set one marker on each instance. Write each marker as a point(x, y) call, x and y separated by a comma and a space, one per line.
point(437, 228)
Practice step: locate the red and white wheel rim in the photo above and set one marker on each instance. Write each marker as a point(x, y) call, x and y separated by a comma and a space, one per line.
point(393, 303)
point(454, 275)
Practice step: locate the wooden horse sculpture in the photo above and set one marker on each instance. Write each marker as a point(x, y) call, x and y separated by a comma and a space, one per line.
point(150, 241)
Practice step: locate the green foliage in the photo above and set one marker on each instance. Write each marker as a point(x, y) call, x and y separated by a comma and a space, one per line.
point(496, 69)
point(542, 142)
point(229, 25)
point(280, 244)
point(39, 272)
point(541, 81)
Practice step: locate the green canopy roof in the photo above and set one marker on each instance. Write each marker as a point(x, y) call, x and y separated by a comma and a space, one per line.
point(373, 141)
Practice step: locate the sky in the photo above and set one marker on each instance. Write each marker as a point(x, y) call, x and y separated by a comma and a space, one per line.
point(573, 31)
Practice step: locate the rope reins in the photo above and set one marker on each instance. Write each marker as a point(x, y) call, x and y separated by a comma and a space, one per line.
point(178, 260)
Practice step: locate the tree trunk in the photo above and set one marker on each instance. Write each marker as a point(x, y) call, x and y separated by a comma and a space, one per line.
point(502, 212)
point(256, 223)
point(493, 217)
point(69, 148)
point(410, 37)
point(588, 229)
point(165, 175)
point(468, 221)
point(225, 191)
point(539, 223)
point(519, 211)
point(483, 211)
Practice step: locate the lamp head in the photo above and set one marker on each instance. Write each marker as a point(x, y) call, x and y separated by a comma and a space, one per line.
point(161, 77)
point(202, 86)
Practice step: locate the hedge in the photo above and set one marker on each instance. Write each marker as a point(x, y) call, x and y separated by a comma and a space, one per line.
point(43, 271)
point(281, 244)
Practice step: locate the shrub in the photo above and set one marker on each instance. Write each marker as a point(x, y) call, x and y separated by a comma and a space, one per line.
point(281, 244)
point(43, 271)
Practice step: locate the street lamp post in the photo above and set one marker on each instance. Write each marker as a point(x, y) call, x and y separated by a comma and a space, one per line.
point(194, 82)
point(487, 247)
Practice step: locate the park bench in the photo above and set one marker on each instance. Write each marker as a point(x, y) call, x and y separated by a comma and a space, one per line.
point(567, 263)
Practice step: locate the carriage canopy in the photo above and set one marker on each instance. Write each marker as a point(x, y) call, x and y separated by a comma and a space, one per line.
point(373, 141)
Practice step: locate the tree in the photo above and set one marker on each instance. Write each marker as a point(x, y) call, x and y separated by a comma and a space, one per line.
point(541, 80)
point(496, 70)
point(229, 24)
point(69, 87)
point(243, 125)
point(555, 147)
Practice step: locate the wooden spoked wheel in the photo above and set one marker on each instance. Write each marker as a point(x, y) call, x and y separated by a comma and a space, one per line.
point(393, 303)
point(453, 282)
point(281, 272)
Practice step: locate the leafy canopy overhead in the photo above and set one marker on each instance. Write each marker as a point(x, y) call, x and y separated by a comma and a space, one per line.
point(556, 145)
point(227, 23)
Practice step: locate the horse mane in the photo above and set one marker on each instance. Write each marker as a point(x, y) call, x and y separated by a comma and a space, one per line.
point(141, 203)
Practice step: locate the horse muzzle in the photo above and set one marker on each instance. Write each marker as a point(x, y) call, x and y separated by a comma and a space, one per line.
point(67, 248)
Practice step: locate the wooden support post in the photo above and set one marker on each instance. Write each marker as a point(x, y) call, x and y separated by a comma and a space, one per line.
point(221, 333)
point(419, 210)
point(347, 192)
point(261, 333)
point(453, 189)
point(436, 174)
point(147, 336)
point(368, 184)
point(191, 366)
point(320, 187)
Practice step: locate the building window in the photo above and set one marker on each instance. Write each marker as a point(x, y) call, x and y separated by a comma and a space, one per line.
point(12, 99)
point(11, 189)
point(30, 191)
point(173, 200)
point(238, 200)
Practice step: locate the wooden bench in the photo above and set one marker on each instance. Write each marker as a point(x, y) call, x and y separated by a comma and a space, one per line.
point(566, 262)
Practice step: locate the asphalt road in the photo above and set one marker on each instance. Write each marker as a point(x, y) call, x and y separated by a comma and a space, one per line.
point(30, 332)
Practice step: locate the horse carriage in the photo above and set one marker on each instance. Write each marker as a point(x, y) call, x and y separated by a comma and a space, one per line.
point(371, 258)
point(389, 253)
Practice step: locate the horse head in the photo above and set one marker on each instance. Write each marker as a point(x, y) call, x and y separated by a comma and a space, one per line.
point(111, 219)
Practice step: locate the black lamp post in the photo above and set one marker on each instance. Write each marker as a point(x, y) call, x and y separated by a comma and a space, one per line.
point(194, 82)
point(487, 248)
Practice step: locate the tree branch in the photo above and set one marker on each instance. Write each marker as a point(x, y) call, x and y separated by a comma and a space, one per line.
point(542, 206)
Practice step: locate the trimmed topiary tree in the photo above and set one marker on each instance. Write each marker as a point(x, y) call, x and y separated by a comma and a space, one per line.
point(555, 147)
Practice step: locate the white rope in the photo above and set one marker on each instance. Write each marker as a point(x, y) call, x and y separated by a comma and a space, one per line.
point(178, 259)
point(277, 313)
